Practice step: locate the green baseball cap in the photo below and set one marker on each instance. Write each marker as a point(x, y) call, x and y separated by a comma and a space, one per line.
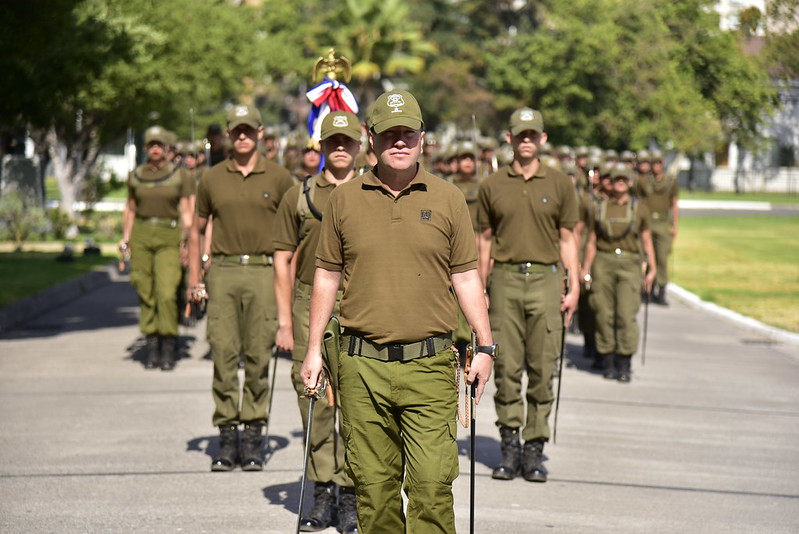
point(341, 122)
point(239, 115)
point(620, 170)
point(465, 148)
point(526, 119)
point(395, 108)
point(156, 134)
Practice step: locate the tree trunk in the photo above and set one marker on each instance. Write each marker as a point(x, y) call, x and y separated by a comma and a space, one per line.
point(71, 164)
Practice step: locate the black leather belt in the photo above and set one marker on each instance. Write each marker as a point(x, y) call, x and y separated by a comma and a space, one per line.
point(394, 352)
point(527, 267)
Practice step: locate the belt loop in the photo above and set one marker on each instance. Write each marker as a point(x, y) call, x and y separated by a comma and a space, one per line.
point(431, 349)
point(351, 349)
point(360, 345)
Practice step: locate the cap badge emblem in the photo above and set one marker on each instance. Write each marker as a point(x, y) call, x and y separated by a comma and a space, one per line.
point(526, 115)
point(395, 101)
point(340, 122)
point(241, 111)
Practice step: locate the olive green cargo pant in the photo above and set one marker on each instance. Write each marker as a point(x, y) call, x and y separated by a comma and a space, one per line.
point(242, 318)
point(661, 241)
point(155, 272)
point(526, 323)
point(399, 423)
point(616, 298)
point(326, 457)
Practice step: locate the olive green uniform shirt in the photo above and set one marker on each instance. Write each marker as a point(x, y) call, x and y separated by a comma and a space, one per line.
point(618, 217)
point(295, 231)
point(243, 208)
point(397, 255)
point(158, 193)
point(470, 188)
point(526, 216)
point(658, 194)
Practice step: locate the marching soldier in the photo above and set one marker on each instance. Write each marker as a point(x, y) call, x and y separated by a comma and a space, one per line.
point(619, 230)
point(660, 192)
point(310, 160)
point(400, 239)
point(242, 195)
point(156, 224)
point(297, 234)
point(527, 213)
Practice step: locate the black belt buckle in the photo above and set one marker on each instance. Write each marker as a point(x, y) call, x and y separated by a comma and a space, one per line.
point(395, 352)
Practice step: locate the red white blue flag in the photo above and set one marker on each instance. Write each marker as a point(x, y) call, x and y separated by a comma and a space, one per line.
point(329, 95)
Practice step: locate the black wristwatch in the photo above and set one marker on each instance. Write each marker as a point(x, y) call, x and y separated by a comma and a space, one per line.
point(491, 350)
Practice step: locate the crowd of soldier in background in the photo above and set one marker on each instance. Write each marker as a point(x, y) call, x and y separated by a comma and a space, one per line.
point(466, 161)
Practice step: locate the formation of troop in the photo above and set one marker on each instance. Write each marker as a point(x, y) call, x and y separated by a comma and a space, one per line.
point(408, 254)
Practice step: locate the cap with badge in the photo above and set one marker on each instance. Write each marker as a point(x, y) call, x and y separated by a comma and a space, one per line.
point(156, 134)
point(395, 108)
point(239, 115)
point(620, 170)
point(526, 119)
point(341, 122)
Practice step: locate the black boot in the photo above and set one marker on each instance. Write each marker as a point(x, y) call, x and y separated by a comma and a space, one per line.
point(609, 369)
point(533, 468)
point(252, 440)
point(321, 515)
point(347, 511)
point(228, 449)
point(661, 298)
point(153, 352)
point(168, 351)
point(511, 454)
point(624, 364)
point(599, 360)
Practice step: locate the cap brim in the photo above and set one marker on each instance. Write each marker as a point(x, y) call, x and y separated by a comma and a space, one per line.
point(408, 122)
point(351, 135)
point(516, 130)
point(238, 122)
point(156, 139)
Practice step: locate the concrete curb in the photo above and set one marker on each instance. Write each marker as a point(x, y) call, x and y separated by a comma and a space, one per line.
point(32, 307)
point(774, 334)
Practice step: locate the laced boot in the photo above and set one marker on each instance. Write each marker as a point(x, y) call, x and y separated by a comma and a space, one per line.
point(228, 448)
point(624, 364)
point(533, 468)
point(252, 440)
point(168, 351)
point(153, 353)
point(511, 454)
point(609, 370)
point(347, 511)
point(321, 515)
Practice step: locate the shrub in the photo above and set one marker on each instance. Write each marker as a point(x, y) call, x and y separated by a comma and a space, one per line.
point(20, 218)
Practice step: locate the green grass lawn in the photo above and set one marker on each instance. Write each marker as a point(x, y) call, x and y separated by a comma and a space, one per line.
point(747, 264)
point(25, 274)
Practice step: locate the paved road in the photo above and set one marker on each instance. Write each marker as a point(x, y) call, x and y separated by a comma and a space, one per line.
point(704, 440)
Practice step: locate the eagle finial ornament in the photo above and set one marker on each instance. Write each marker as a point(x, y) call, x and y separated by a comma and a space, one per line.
point(332, 66)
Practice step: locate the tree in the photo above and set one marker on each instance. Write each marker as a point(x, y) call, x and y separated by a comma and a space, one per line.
point(782, 38)
point(129, 64)
point(382, 39)
point(626, 73)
